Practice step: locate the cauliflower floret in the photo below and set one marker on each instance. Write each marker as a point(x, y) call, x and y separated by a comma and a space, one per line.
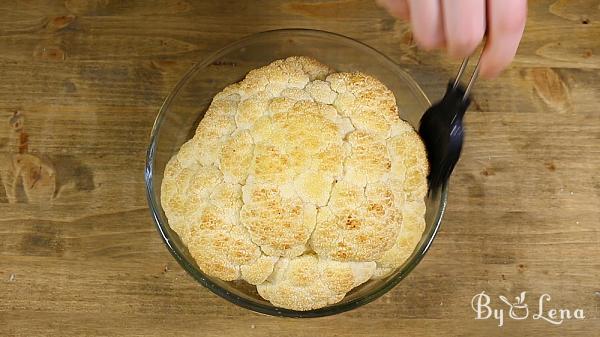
point(309, 282)
point(413, 226)
point(280, 225)
point(357, 225)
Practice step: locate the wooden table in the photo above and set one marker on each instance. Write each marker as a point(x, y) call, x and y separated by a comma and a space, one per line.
point(81, 82)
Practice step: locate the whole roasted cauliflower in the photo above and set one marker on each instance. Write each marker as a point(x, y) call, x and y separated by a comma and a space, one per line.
point(299, 180)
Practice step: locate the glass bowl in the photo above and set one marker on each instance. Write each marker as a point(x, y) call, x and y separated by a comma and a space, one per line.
point(185, 107)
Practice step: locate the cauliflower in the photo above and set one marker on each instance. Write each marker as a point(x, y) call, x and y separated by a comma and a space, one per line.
point(301, 181)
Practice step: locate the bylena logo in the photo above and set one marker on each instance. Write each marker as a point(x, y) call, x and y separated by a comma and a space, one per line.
point(519, 309)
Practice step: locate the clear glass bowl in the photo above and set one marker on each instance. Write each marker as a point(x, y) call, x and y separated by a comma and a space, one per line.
point(185, 107)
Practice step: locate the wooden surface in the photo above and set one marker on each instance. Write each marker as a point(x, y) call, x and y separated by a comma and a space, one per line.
point(81, 82)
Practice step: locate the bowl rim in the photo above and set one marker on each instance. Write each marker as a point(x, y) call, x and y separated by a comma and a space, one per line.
point(198, 275)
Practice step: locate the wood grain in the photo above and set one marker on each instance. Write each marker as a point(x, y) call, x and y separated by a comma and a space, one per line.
point(81, 82)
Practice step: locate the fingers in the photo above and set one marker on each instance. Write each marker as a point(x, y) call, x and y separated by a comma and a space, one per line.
point(506, 22)
point(464, 25)
point(427, 25)
point(460, 26)
point(397, 8)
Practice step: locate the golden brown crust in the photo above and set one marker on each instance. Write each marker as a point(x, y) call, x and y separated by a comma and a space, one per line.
point(236, 157)
point(369, 160)
point(219, 245)
point(357, 226)
point(280, 226)
point(258, 271)
point(299, 180)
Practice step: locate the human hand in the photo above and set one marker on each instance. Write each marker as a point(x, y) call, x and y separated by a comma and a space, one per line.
point(459, 26)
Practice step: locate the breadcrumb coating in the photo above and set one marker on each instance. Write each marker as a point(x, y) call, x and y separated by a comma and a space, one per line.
point(299, 180)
